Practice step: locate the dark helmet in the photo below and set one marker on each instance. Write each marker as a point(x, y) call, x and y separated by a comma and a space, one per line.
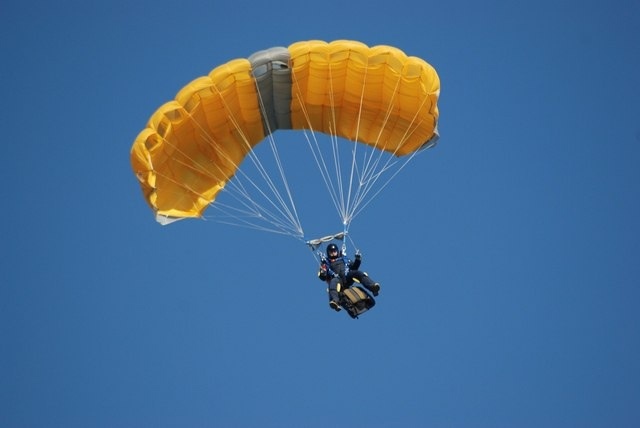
point(332, 248)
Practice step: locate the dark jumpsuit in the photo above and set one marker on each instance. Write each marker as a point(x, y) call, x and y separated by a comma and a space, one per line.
point(340, 273)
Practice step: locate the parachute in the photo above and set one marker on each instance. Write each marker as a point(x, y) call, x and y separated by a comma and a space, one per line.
point(194, 146)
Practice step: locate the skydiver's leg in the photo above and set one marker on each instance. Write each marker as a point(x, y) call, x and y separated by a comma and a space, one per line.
point(334, 293)
point(366, 281)
point(348, 280)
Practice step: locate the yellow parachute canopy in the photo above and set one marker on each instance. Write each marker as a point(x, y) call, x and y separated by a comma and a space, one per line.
point(193, 145)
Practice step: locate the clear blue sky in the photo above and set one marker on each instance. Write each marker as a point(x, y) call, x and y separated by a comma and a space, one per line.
point(509, 254)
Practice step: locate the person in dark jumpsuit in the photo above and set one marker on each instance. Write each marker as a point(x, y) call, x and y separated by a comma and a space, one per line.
point(340, 272)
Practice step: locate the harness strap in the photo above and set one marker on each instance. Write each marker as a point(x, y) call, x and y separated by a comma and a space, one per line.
point(346, 262)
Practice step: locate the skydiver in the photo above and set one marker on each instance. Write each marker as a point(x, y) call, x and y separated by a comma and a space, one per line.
point(340, 272)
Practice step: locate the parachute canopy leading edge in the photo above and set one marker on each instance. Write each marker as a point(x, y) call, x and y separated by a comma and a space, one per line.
point(192, 146)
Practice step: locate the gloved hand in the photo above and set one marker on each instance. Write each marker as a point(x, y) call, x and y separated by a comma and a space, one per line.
point(358, 255)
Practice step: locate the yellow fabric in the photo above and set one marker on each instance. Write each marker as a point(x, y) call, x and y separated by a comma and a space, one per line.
point(376, 95)
point(192, 145)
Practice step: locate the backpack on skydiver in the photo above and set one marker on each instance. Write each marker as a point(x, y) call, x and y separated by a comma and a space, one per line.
point(355, 300)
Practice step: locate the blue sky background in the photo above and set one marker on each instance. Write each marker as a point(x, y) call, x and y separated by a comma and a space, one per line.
point(508, 255)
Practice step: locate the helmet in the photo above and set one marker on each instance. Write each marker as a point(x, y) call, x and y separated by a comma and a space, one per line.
point(332, 248)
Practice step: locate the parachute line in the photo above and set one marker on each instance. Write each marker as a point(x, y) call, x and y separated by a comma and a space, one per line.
point(352, 186)
point(287, 220)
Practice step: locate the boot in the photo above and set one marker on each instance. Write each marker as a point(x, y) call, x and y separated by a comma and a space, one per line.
point(375, 289)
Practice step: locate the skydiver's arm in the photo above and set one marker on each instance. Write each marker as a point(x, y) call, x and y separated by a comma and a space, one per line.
point(322, 273)
point(356, 263)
